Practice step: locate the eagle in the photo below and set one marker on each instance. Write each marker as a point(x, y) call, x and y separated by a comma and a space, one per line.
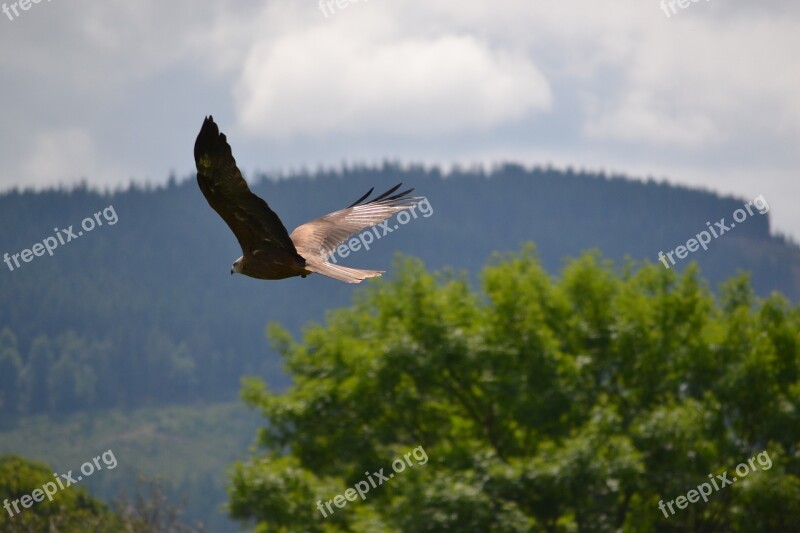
point(268, 250)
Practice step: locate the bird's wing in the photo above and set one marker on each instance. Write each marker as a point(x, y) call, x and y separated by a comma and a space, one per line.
point(321, 236)
point(255, 225)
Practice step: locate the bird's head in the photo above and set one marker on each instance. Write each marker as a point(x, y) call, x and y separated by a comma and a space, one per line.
point(236, 268)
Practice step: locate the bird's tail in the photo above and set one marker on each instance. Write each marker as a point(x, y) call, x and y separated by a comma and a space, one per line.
point(341, 273)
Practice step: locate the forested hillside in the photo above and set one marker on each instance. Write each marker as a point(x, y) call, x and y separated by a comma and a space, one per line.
point(145, 312)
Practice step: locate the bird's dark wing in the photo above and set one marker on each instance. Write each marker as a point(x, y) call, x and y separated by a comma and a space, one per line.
point(255, 225)
point(320, 237)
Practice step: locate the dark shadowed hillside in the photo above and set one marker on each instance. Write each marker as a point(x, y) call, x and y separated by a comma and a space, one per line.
point(145, 312)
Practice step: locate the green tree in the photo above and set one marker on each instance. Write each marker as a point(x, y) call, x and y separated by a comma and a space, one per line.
point(40, 361)
point(71, 509)
point(569, 404)
point(74, 509)
point(72, 380)
point(11, 376)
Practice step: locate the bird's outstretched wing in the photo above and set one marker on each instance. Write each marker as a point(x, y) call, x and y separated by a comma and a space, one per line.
point(318, 239)
point(255, 225)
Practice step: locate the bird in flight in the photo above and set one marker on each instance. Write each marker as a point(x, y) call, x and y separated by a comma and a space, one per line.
point(268, 250)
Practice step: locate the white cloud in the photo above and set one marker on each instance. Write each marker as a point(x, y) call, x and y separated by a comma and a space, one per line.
point(64, 156)
point(698, 82)
point(327, 80)
point(642, 118)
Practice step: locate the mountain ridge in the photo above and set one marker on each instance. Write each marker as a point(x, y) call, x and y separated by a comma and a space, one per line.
point(145, 312)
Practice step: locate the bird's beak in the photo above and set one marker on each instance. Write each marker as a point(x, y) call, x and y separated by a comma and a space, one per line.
point(231, 271)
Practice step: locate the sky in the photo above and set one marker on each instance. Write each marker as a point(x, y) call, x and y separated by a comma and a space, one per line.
point(705, 93)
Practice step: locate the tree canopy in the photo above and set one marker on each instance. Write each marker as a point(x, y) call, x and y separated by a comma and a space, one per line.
point(575, 403)
point(68, 509)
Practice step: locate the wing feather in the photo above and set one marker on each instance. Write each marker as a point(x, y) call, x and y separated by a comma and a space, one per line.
point(321, 236)
point(249, 217)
